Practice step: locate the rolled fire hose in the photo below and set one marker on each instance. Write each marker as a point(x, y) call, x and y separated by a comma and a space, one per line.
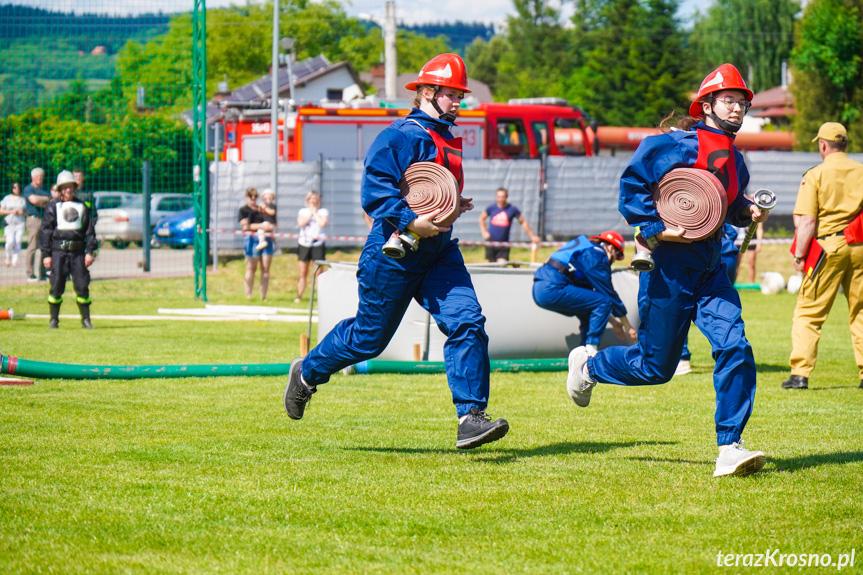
point(686, 198)
point(427, 187)
point(693, 200)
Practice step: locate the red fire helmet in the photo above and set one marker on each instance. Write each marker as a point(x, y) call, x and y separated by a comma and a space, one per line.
point(445, 70)
point(613, 238)
point(725, 77)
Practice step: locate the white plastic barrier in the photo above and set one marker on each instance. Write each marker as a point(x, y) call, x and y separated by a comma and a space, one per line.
point(517, 328)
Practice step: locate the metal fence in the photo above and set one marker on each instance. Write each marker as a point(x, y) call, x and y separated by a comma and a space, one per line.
point(579, 196)
point(97, 93)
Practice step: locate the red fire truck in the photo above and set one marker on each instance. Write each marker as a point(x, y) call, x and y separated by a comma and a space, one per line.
point(520, 129)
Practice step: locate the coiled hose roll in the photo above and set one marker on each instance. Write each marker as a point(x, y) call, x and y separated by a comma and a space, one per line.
point(428, 187)
point(691, 199)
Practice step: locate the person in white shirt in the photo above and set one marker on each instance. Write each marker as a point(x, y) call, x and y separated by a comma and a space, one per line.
point(14, 208)
point(312, 245)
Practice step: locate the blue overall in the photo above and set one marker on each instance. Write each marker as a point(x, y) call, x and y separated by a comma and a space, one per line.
point(435, 276)
point(728, 257)
point(688, 284)
point(585, 291)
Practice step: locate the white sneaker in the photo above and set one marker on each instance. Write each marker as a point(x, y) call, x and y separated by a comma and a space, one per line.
point(736, 460)
point(683, 367)
point(579, 388)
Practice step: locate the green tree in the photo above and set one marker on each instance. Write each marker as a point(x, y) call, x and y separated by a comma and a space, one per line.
point(538, 53)
point(239, 44)
point(828, 70)
point(754, 35)
point(483, 60)
point(239, 48)
point(633, 69)
point(414, 50)
point(162, 67)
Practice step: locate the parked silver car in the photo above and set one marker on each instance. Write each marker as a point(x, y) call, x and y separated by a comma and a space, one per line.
point(108, 200)
point(125, 223)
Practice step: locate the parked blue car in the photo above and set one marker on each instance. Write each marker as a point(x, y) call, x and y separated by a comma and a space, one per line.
point(177, 231)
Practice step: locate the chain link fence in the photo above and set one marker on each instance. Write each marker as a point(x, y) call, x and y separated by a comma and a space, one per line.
point(102, 91)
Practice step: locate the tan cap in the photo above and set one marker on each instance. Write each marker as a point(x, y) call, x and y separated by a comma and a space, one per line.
point(832, 132)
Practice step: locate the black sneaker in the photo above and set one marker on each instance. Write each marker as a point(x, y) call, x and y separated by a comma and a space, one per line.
point(478, 429)
point(85, 323)
point(54, 324)
point(297, 395)
point(796, 382)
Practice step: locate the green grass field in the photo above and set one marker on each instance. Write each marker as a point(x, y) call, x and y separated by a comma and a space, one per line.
point(211, 476)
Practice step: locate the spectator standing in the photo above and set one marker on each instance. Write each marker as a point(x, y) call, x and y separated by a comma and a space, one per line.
point(68, 242)
point(14, 208)
point(501, 214)
point(576, 281)
point(269, 220)
point(250, 219)
point(829, 198)
point(36, 197)
point(434, 275)
point(311, 220)
point(688, 283)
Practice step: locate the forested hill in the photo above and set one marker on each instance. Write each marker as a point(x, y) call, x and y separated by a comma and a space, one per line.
point(42, 50)
point(85, 31)
point(459, 34)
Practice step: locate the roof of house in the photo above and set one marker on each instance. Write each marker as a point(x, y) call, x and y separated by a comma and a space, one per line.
point(259, 90)
point(774, 112)
point(304, 72)
point(780, 96)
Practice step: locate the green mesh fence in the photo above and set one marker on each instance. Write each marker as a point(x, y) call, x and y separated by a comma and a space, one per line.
point(107, 90)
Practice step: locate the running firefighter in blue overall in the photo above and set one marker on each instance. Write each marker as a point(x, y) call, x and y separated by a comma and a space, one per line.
point(689, 282)
point(434, 276)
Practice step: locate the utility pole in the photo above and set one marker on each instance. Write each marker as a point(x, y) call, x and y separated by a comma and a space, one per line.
point(390, 68)
point(274, 102)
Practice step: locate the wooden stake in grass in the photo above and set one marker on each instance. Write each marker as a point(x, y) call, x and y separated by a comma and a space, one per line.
point(304, 344)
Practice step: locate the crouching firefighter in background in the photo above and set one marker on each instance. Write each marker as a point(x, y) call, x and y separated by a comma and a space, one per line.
point(576, 281)
point(68, 235)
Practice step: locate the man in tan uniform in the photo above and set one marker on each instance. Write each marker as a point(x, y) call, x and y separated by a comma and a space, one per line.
point(830, 196)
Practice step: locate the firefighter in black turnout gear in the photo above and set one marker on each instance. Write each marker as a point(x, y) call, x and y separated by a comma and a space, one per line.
point(69, 237)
